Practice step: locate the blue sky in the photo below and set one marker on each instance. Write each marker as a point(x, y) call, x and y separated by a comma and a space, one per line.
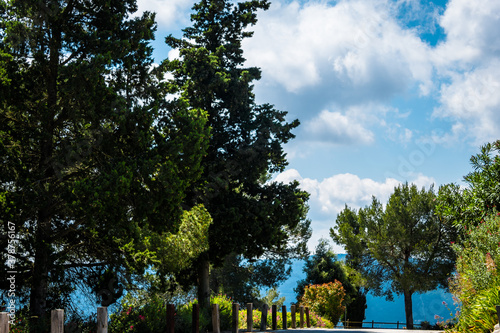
point(387, 91)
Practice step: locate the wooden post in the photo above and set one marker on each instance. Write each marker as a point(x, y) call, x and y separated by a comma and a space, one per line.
point(57, 321)
point(301, 316)
point(170, 318)
point(308, 321)
point(195, 327)
point(397, 325)
point(263, 318)
point(4, 322)
point(283, 314)
point(236, 318)
point(373, 322)
point(292, 313)
point(274, 314)
point(215, 318)
point(498, 310)
point(102, 319)
point(249, 317)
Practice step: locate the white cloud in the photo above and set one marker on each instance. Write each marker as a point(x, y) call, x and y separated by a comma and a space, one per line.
point(469, 59)
point(336, 128)
point(169, 13)
point(333, 193)
point(472, 32)
point(472, 102)
point(353, 45)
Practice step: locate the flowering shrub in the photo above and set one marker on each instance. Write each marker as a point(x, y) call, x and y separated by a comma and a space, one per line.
point(477, 282)
point(326, 299)
point(150, 317)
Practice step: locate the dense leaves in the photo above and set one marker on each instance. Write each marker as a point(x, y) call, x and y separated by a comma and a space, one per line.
point(474, 210)
point(95, 161)
point(251, 216)
point(327, 300)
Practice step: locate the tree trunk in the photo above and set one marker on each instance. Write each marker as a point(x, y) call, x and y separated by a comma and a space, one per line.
point(204, 283)
point(39, 284)
point(408, 309)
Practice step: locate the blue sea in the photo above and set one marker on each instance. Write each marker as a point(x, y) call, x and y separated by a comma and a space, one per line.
point(426, 307)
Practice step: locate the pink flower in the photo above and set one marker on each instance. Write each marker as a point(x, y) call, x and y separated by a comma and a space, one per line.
point(141, 317)
point(131, 327)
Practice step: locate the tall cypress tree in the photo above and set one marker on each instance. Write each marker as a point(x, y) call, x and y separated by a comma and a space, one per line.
point(95, 162)
point(251, 216)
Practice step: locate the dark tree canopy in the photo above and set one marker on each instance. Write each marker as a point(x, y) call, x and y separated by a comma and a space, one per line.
point(403, 248)
point(95, 162)
point(251, 216)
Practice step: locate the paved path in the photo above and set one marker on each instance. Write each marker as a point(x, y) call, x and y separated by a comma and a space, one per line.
point(350, 330)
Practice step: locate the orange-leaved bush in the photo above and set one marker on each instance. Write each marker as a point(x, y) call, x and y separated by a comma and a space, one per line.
point(326, 299)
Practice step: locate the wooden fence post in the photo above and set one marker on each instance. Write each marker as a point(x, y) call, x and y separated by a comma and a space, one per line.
point(292, 313)
point(308, 321)
point(102, 319)
point(274, 314)
point(397, 325)
point(498, 310)
point(170, 318)
point(283, 314)
point(57, 321)
point(215, 318)
point(263, 317)
point(249, 317)
point(301, 316)
point(195, 327)
point(4, 322)
point(236, 318)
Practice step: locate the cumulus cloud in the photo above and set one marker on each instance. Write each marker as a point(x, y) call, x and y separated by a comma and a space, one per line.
point(472, 32)
point(472, 102)
point(336, 128)
point(470, 60)
point(333, 193)
point(349, 45)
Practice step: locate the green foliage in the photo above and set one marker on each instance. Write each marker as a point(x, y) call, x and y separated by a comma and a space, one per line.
point(474, 211)
point(146, 318)
point(251, 217)
point(272, 297)
point(184, 318)
point(480, 315)
point(467, 206)
point(242, 279)
point(476, 283)
point(328, 300)
point(96, 163)
point(324, 267)
point(404, 243)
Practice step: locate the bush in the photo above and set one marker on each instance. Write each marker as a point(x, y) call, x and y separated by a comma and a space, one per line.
point(326, 299)
point(184, 318)
point(477, 281)
point(149, 317)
